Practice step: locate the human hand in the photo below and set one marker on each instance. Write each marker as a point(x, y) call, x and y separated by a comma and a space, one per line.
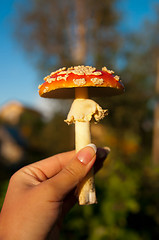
point(40, 194)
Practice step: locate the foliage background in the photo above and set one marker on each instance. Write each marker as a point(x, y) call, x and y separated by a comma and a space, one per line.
point(57, 33)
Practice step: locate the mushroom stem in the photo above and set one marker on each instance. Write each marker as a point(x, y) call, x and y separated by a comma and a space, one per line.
point(81, 92)
point(86, 189)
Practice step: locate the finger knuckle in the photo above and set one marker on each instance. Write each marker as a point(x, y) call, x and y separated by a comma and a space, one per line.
point(71, 171)
point(75, 173)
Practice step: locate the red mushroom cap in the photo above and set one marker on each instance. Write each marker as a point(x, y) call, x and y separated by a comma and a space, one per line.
point(60, 84)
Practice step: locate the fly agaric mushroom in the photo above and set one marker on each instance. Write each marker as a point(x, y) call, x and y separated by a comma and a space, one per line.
point(87, 81)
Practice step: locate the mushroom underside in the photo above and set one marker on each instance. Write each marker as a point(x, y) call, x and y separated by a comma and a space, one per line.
point(69, 93)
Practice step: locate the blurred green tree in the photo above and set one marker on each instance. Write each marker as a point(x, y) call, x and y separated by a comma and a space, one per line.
point(56, 136)
point(69, 32)
point(138, 67)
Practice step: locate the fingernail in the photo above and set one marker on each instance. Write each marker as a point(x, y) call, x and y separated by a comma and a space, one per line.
point(92, 146)
point(85, 155)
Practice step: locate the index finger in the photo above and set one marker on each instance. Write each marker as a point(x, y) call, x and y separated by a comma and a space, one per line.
point(54, 164)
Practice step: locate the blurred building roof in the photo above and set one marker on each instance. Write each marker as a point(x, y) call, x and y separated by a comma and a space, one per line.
point(13, 142)
point(12, 111)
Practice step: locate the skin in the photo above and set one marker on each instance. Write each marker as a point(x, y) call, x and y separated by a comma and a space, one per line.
point(39, 195)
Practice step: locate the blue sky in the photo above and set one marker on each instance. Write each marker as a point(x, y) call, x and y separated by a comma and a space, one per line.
point(18, 77)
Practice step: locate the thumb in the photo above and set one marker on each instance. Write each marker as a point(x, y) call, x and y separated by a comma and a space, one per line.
point(61, 184)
